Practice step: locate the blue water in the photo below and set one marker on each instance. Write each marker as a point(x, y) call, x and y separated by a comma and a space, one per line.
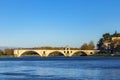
point(60, 68)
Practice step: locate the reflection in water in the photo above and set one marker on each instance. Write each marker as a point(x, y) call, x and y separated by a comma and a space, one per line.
point(60, 68)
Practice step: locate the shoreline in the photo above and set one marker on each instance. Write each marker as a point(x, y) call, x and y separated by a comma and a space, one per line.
point(95, 55)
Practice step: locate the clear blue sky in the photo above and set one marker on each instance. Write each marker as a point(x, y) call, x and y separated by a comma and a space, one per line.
point(34, 23)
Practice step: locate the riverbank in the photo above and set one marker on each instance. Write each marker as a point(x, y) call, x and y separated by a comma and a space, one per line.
point(104, 54)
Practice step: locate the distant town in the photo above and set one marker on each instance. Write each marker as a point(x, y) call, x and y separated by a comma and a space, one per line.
point(108, 45)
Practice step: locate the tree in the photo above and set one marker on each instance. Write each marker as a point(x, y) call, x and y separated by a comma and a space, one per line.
point(84, 46)
point(116, 34)
point(107, 37)
point(108, 45)
point(8, 51)
point(1, 52)
point(102, 44)
point(91, 45)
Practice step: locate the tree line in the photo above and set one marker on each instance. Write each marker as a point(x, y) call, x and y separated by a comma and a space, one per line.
point(6, 52)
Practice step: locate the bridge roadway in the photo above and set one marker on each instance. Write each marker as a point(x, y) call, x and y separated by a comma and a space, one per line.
point(45, 52)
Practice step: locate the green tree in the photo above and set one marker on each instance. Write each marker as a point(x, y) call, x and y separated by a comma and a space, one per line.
point(104, 40)
point(101, 46)
point(116, 34)
point(107, 37)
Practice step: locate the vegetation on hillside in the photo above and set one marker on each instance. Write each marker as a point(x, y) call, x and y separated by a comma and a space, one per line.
point(109, 44)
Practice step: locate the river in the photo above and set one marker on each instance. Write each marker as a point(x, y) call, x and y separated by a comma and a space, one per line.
point(60, 68)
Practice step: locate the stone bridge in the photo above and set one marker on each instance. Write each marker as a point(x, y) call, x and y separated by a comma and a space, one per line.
point(45, 52)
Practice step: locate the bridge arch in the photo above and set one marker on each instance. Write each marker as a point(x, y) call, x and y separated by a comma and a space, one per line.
point(79, 53)
point(56, 53)
point(30, 53)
